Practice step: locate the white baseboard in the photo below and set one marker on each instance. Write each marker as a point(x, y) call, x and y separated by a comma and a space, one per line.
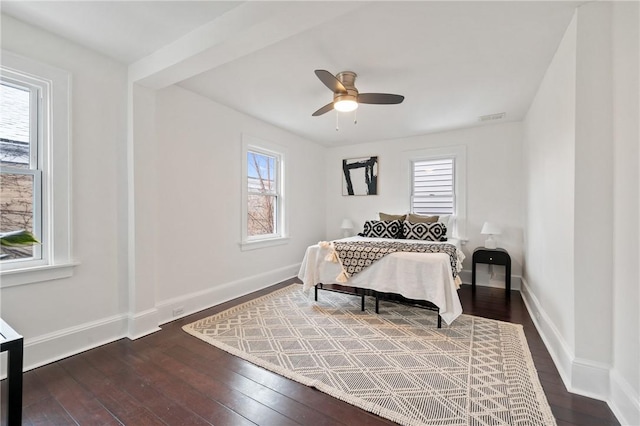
point(142, 323)
point(580, 376)
point(51, 347)
point(583, 377)
point(590, 379)
point(197, 301)
point(624, 400)
point(60, 344)
point(559, 350)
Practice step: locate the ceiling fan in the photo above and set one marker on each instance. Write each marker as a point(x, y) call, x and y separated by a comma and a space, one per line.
point(345, 95)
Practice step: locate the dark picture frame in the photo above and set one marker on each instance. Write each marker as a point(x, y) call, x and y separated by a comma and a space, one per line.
point(360, 176)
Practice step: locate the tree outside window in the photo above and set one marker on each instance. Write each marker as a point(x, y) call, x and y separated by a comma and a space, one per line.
point(35, 171)
point(19, 174)
point(264, 221)
point(262, 194)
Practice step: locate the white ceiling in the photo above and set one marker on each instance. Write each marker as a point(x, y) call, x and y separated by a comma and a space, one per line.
point(453, 61)
point(123, 30)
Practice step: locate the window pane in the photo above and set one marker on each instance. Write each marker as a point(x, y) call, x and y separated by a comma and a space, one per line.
point(16, 210)
point(262, 171)
point(261, 214)
point(14, 126)
point(433, 187)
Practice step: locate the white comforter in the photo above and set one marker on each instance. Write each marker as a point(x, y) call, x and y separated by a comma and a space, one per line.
point(421, 276)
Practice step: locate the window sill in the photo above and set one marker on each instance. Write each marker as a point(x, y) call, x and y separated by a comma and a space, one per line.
point(36, 274)
point(258, 244)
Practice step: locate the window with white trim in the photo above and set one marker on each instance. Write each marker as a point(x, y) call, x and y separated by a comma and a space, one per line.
point(433, 186)
point(20, 165)
point(34, 169)
point(437, 178)
point(263, 193)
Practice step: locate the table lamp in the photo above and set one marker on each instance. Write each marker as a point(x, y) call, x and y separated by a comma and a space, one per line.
point(346, 227)
point(490, 229)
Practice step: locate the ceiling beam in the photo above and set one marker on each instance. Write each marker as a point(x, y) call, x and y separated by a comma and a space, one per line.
point(243, 30)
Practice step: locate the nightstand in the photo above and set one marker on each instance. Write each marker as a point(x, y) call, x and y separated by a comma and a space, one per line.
point(12, 342)
point(496, 256)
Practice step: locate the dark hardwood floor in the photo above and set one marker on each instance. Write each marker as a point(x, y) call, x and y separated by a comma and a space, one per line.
point(171, 378)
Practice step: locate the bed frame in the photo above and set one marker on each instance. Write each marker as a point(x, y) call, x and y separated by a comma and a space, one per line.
point(391, 297)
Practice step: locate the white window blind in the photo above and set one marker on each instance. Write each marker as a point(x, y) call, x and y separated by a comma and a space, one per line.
point(433, 186)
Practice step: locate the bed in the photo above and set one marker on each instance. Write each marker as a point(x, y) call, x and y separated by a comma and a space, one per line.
point(414, 276)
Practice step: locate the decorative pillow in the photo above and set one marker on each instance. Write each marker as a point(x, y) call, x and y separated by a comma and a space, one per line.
point(382, 229)
point(400, 217)
point(434, 231)
point(417, 218)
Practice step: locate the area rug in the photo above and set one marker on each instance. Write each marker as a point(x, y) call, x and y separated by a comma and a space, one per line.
point(395, 364)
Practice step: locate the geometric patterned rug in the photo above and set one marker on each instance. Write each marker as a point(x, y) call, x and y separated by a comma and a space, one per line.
point(396, 364)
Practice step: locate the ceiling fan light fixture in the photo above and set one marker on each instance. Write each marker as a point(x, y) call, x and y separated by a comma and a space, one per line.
point(345, 105)
point(345, 95)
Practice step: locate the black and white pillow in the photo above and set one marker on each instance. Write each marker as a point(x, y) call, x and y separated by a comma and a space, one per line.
point(435, 231)
point(382, 229)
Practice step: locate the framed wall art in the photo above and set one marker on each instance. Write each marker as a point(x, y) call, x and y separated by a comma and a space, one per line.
point(360, 176)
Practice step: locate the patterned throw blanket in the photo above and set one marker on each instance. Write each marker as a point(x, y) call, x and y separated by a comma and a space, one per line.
point(354, 256)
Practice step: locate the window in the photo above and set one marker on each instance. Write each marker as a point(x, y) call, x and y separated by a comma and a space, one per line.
point(433, 186)
point(437, 179)
point(263, 197)
point(20, 175)
point(263, 194)
point(34, 169)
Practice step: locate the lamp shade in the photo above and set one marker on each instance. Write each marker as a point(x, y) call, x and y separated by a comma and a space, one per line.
point(346, 224)
point(490, 229)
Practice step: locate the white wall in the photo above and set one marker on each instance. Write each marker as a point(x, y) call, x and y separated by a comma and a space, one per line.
point(199, 156)
point(549, 162)
point(67, 315)
point(156, 207)
point(494, 186)
point(625, 372)
point(142, 212)
point(593, 269)
point(581, 139)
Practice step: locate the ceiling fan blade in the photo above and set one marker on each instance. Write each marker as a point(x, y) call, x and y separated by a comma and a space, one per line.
point(324, 109)
point(330, 81)
point(379, 98)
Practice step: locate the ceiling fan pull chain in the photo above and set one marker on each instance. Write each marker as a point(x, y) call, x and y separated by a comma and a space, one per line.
point(355, 116)
point(337, 121)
